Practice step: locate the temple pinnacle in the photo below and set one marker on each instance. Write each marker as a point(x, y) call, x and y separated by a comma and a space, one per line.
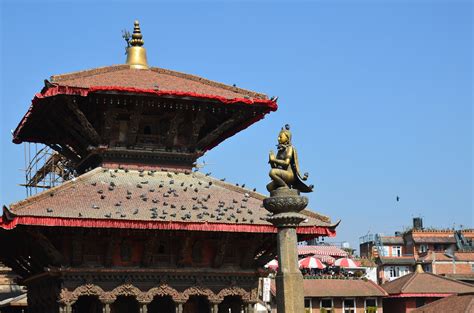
point(136, 54)
point(137, 37)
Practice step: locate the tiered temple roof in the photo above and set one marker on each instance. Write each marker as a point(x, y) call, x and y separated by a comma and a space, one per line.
point(152, 199)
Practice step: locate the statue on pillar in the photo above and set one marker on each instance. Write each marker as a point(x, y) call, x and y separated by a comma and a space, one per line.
point(285, 172)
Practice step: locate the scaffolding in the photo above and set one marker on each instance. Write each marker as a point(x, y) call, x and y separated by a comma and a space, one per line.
point(44, 168)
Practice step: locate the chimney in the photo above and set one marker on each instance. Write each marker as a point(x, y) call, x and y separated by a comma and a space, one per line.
point(417, 223)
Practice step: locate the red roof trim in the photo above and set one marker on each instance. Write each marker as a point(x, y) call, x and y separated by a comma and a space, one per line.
point(427, 295)
point(84, 92)
point(111, 223)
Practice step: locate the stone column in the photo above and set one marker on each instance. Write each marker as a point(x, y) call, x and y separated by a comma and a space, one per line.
point(179, 307)
point(143, 307)
point(106, 308)
point(285, 204)
point(249, 307)
point(214, 306)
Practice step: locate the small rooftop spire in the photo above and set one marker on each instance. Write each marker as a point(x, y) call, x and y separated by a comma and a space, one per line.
point(137, 37)
point(419, 268)
point(136, 54)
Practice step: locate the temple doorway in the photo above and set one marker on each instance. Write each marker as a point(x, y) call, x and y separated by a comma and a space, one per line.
point(87, 304)
point(125, 304)
point(197, 304)
point(162, 305)
point(231, 304)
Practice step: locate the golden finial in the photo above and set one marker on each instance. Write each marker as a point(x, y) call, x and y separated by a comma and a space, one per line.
point(137, 37)
point(136, 54)
point(419, 268)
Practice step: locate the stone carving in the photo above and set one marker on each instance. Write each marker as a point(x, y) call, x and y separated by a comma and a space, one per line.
point(254, 294)
point(233, 291)
point(107, 297)
point(162, 290)
point(65, 297)
point(126, 290)
point(87, 290)
point(69, 297)
point(285, 200)
point(200, 291)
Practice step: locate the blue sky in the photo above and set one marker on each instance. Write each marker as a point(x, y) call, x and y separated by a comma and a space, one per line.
point(378, 93)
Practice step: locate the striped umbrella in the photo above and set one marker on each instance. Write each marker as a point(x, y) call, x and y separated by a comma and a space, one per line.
point(273, 265)
point(311, 262)
point(326, 259)
point(345, 262)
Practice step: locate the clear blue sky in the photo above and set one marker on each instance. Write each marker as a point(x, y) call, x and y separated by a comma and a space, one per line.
point(378, 93)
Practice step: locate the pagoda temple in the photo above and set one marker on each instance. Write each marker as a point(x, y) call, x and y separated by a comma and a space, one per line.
point(135, 228)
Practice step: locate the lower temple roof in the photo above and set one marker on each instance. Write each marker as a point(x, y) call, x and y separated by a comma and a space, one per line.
point(163, 199)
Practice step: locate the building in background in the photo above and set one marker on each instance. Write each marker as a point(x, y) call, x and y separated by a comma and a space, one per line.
point(460, 303)
point(340, 295)
point(442, 251)
point(419, 288)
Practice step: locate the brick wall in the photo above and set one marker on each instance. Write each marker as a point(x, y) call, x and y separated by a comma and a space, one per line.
point(448, 268)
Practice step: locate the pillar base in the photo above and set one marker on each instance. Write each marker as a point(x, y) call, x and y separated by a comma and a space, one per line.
point(289, 293)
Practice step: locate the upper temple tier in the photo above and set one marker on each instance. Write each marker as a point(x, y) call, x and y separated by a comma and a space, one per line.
point(122, 115)
point(135, 114)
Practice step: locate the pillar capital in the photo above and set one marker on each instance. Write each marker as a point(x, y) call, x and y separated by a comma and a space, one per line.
point(285, 203)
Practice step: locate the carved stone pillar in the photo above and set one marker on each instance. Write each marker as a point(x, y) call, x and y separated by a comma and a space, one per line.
point(179, 307)
point(106, 308)
point(214, 307)
point(285, 204)
point(249, 307)
point(143, 307)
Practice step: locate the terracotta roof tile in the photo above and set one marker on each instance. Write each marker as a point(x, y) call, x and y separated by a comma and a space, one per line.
point(154, 79)
point(406, 260)
point(425, 283)
point(339, 288)
point(132, 195)
point(322, 250)
point(392, 240)
point(434, 239)
point(462, 303)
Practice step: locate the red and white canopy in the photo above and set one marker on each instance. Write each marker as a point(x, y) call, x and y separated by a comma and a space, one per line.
point(326, 259)
point(322, 250)
point(311, 262)
point(345, 262)
point(273, 265)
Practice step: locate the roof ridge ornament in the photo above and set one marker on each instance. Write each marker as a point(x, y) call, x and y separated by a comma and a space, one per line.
point(136, 53)
point(137, 37)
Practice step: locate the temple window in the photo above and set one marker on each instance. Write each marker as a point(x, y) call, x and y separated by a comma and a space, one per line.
point(125, 252)
point(147, 130)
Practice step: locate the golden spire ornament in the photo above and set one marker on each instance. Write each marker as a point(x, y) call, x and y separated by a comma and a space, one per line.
point(136, 53)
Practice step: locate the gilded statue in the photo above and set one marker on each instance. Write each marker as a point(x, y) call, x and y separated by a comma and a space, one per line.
point(285, 170)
